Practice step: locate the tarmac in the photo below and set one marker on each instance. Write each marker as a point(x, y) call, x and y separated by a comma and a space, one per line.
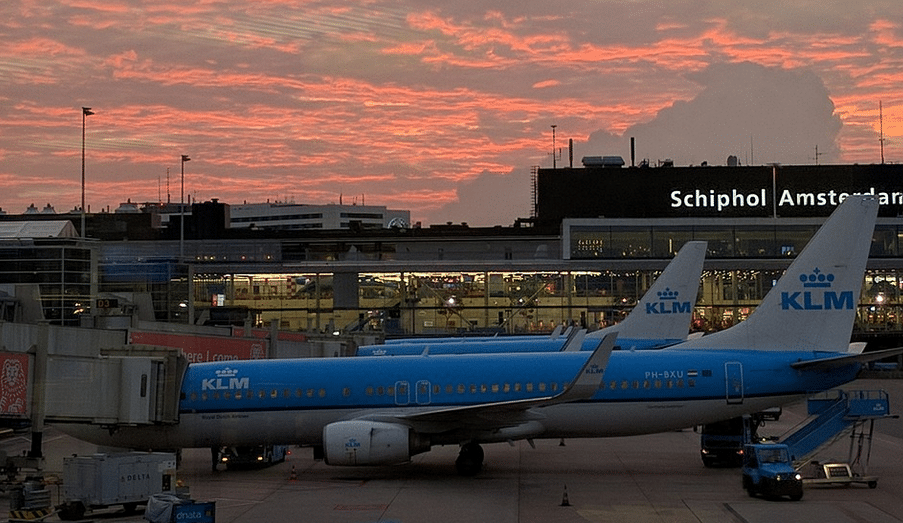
point(653, 478)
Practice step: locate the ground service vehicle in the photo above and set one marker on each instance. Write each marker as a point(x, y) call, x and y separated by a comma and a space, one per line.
point(251, 456)
point(721, 443)
point(767, 470)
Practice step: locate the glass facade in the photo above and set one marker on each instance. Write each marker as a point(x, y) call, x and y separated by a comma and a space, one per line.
point(62, 270)
point(397, 286)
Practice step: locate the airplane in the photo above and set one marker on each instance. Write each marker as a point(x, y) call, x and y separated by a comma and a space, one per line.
point(374, 411)
point(660, 318)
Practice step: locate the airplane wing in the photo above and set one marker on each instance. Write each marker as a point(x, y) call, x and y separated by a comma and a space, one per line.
point(498, 415)
point(846, 359)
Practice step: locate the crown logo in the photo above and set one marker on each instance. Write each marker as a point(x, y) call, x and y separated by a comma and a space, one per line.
point(816, 279)
point(668, 294)
point(226, 373)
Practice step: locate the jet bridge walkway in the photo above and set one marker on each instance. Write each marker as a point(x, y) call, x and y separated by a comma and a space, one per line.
point(832, 415)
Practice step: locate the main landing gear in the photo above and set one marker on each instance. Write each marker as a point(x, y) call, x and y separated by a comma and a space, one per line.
point(470, 460)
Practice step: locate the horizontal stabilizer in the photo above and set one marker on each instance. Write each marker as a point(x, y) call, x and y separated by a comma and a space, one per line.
point(847, 359)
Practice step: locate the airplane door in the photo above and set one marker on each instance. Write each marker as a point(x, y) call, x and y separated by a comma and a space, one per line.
point(423, 392)
point(402, 393)
point(733, 381)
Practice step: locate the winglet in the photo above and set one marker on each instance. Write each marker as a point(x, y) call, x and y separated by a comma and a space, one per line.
point(591, 375)
point(574, 342)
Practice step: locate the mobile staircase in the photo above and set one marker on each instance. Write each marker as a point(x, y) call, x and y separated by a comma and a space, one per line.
point(832, 415)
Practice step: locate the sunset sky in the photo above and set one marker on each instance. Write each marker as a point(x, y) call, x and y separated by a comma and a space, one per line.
point(440, 108)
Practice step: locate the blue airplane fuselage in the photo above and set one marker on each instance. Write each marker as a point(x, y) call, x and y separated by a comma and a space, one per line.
point(290, 401)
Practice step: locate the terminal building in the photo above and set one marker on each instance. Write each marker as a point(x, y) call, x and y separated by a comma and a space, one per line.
point(598, 237)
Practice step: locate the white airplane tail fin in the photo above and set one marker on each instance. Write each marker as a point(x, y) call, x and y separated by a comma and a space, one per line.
point(665, 310)
point(813, 305)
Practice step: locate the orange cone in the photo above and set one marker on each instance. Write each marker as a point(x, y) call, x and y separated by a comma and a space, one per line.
point(564, 499)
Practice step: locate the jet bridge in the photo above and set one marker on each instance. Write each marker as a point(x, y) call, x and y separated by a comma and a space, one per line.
point(137, 385)
point(834, 414)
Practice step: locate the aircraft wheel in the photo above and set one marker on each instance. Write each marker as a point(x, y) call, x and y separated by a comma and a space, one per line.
point(470, 459)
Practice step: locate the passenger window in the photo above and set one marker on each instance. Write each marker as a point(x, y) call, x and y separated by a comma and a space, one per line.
point(194, 396)
point(274, 393)
point(646, 384)
point(380, 391)
point(449, 389)
point(346, 392)
point(495, 388)
point(517, 387)
point(658, 384)
point(322, 393)
point(473, 388)
point(483, 388)
point(529, 387)
point(507, 387)
point(261, 393)
point(624, 385)
point(286, 393)
point(636, 384)
point(227, 395)
point(691, 382)
point(554, 386)
point(680, 384)
point(461, 388)
point(542, 387)
point(203, 396)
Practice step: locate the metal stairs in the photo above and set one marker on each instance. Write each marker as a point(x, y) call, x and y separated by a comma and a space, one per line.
point(833, 415)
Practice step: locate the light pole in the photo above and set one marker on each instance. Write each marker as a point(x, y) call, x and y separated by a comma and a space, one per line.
point(553, 146)
point(185, 158)
point(86, 112)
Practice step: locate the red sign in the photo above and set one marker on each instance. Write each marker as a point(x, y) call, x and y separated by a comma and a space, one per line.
point(264, 333)
point(199, 348)
point(13, 383)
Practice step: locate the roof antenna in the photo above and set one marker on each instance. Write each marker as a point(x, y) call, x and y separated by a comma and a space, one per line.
point(881, 130)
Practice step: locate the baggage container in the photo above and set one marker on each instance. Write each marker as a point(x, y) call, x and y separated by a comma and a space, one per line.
point(103, 480)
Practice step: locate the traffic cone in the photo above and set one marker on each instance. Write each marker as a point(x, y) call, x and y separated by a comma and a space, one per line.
point(294, 475)
point(564, 499)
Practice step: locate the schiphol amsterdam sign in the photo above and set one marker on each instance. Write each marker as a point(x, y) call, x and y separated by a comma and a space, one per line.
point(762, 191)
point(726, 200)
point(786, 191)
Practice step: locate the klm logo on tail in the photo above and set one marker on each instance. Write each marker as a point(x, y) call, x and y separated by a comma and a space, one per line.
point(668, 304)
point(818, 298)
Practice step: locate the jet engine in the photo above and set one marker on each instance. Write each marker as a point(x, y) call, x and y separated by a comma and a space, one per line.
point(360, 442)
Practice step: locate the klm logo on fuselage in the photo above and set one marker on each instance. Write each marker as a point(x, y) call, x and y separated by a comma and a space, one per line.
point(668, 304)
point(226, 379)
point(817, 297)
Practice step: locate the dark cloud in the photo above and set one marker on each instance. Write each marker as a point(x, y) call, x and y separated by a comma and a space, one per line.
point(759, 114)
